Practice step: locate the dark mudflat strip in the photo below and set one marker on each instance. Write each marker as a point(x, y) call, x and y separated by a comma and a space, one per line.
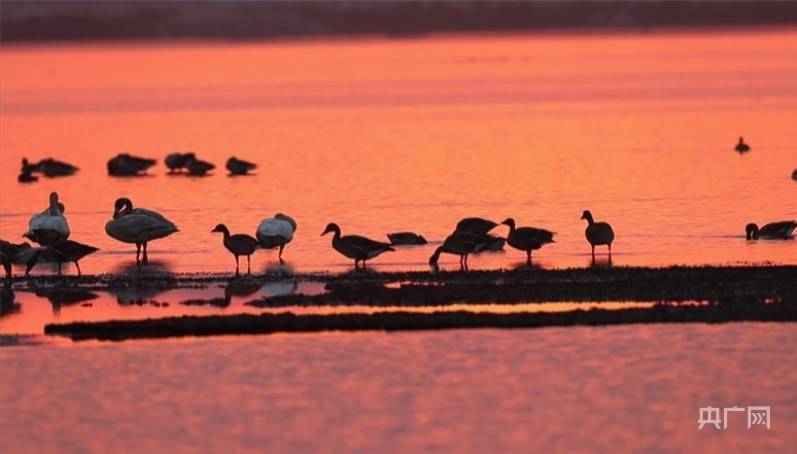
point(403, 321)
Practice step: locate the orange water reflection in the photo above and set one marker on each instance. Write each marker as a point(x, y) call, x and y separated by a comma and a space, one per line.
point(382, 135)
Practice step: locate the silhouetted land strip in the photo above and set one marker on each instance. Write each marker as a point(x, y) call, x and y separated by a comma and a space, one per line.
point(235, 19)
point(408, 321)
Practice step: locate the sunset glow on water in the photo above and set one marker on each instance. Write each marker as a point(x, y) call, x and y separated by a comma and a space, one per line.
point(390, 135)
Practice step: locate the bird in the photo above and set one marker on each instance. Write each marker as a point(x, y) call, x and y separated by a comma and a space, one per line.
point(781, 230)
point(7, 304)
point(137, 226)
point(475, 225)
point(598, 233)
point(127, 165)
point(406, 239)
point(50, 225)
point(198, 167)
point(60, 252)
point(52, 168)
point(238, 245)
point(527, 238)
point(276, 232)
point(239, 166)
point(10, 253)
point(461, 244)
point(742, 147)
point(177, 161)
point(355, 247)
point(26, 176)
point(794, 175)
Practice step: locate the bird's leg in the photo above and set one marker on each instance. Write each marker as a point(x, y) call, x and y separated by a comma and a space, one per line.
point(78, 268)
point(248, 264)
point(138, 252)
point(282, 246)
point(610, 249)
point(146, 259)
point(593, 252)
point(528, 258)
point(236, 265)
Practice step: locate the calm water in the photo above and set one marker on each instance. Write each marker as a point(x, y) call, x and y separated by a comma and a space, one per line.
point(382, 136)
point(618, 389)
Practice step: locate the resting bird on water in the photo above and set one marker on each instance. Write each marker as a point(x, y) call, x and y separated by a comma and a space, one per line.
point(461, 244)
point(198, 168)
point(238, 245)
point(50, 225)
point(239, 166)
point(138, 226)
point(50, 167)
point(598, 233)
point(355, 247)
point(742, 147)
point(406, 239)
point(527, 238)
point(276, 232)
point(782, 230)
point(177, 161)
point(127, 165)
point(61, 252)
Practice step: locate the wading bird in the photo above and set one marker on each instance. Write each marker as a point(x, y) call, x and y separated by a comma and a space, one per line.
point(276, 232)
point(782, 230)
point(50, 225)
point(137, 226)
point(598, 233)
point(61, 252)
point(461, 244)
point(742, 147)
point(527, 238)
point(11, 253)
point(238, 245)
point(475, 225)
point(355, 247)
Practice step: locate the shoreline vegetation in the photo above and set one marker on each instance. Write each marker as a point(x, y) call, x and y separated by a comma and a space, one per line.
point(92, 20)
point(711, 294)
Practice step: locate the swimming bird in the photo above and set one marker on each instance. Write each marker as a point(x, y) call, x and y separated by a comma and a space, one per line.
point(238, 245)
point(52, 168)
point(742, 147)
point(50, 225)
point(355, 247)
point(781, 230)
point(239, 166)
point(127, 165)
point(598, 233)
point(137, 226)
point(276, 232)
point(198, 167)
point(405, 239)
point(461, 244)
point(26, 176)
point(527, 238)
point(10, 253)
point(60, 252)
point(177, 161)
point(475, 225)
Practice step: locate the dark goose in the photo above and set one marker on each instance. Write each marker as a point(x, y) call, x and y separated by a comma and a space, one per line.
point(238, 245)
point(239, 166)
point(527, 238)
point(782, 230)
point(61, 252)
point(355, 247)
point(406, 239)
point(598, 233)
point(126, 165)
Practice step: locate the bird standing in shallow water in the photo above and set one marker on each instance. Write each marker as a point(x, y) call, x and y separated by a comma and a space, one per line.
point(50, 225)
point(355, 247)
point(138, 226)
point(598, 233)
point(527, 238)
point(276, 232)
point(742, 147)
point(61, 252)
point(238, 245)
point(782, 230)
point(462, 244)
point(475, 225)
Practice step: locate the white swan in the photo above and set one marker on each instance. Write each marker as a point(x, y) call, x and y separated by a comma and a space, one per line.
point(50, 225)
point(276, 232)
point(137, 226)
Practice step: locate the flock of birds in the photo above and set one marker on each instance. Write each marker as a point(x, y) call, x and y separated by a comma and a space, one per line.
point(135, 225)
point(127, 165)
point(128, 224)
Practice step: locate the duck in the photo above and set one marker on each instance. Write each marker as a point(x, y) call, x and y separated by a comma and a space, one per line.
point(52, 168)
point(598, 233)
point(781, 230)
point(475, 225)
point(10, 253)
point(742, 147)
point(26, 176)
point(238, 245)
point(276, 232)
point(176, 162)
point(198, 168)
point(527, 238)
point(60, 252)
point(50, 225)
point(405, 239)
point(239, 166)
point(127, 165)
point(138, 226)
point(355, 247)
point(461, 244)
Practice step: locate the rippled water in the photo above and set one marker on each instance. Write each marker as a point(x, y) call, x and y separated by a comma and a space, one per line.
point(611, 389)
point(414, 134)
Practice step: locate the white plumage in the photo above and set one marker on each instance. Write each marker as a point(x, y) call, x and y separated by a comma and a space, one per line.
point(137, 226)
point(276, 232)
point(50, 225)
